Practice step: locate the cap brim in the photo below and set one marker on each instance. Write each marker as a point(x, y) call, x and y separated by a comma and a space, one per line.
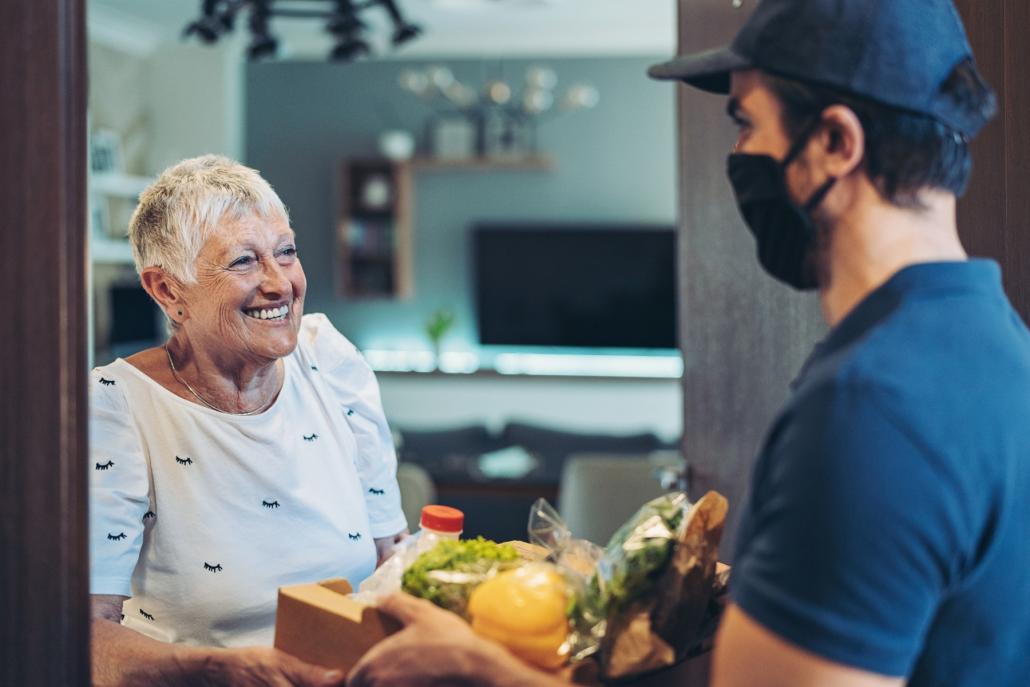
point(709, 70)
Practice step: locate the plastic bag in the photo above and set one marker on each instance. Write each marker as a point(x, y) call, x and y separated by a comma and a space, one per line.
point(638, 552)
point(657, 582)
point(649, 598)
point(386, 579)
point(578, 560)
point(449, 572)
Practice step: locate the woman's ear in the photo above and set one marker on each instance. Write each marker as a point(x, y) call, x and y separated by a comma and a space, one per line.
point(843, 141)
point(166, 291)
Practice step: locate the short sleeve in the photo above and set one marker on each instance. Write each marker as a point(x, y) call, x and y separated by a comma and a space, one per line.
point(352, 382)
point(849, 538)
point(119, 487)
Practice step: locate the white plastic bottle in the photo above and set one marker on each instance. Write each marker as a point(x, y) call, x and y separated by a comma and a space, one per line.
point(441, 522)
point(436, 523)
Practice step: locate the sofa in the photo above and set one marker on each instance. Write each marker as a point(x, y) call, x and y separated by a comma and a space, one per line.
point(494, 477)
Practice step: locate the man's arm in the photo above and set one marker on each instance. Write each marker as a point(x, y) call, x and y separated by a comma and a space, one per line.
point(748, 655)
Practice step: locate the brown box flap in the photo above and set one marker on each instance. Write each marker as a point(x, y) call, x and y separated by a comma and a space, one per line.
point(320, 624)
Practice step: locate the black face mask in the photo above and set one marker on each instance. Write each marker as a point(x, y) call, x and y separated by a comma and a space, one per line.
point(786, 235)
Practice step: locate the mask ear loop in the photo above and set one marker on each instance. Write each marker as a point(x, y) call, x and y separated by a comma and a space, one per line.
point(795, 151)
point(819, 195)
point(802, 140)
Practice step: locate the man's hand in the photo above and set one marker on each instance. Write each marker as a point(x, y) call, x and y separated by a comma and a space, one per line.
point(265, 667)
point(438, 648)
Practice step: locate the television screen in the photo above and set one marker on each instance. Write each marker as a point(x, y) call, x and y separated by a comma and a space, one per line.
point(584, 287)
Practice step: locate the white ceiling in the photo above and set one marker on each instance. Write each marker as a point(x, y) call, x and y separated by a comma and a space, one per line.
point(453, 28)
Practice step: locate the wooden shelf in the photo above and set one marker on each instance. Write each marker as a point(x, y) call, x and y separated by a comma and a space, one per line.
point(374, 247)
point(533, 163)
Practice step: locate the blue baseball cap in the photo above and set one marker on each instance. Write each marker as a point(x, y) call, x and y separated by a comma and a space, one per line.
point(895, 52)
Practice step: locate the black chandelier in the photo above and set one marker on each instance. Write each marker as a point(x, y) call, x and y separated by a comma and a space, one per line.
point(342, 20)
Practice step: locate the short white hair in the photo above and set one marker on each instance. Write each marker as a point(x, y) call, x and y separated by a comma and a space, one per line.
point(180, 211)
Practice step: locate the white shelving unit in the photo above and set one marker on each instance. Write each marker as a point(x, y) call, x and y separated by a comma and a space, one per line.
point(107, 252)
point(113, 185)
point(119, 185)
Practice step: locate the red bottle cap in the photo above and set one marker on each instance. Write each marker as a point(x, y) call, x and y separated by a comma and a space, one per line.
point(442, 519)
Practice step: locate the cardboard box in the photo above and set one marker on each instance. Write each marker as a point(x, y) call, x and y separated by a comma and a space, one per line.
point(320, 624)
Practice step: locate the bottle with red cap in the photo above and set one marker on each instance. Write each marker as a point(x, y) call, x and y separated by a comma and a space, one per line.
point(443, 522)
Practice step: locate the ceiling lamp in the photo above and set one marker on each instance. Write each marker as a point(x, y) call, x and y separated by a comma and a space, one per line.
point(500, 119)
point(342, 20)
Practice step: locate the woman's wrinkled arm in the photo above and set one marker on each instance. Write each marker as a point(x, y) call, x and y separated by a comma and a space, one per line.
point(124, 658)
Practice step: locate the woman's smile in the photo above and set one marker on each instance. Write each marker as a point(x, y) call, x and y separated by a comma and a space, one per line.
point(274, 313)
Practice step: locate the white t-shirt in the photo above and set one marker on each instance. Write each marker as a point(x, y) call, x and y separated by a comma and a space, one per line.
point(200, 516)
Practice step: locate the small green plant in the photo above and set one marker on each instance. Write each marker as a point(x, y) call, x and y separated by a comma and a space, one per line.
point(437, 326)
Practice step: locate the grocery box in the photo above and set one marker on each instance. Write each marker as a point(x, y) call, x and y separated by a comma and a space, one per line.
point(319, 623)
point(652, 639)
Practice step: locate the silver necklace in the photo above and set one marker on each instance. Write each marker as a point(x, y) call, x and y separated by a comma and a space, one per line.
point(175, 373)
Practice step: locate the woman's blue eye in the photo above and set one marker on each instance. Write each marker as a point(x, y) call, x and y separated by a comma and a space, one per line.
point(289, 252)
point(242, 262)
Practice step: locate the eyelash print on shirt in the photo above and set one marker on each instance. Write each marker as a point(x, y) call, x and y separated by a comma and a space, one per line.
point(105, 466)
point(217, 567)
point(310, 437)
point(315, 368)
point(106, 382)
point(376, 492)
point(350, 411)
point(184, 461)
point(145, 614)
point(355, 536)
point(116, 537)
point(270, 504)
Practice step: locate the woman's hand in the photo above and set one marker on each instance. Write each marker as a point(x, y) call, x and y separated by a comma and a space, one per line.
point(436, 648)
point(264, 667)
point(385, 546)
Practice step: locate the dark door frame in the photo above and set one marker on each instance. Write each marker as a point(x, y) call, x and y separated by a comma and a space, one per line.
point(44, 569)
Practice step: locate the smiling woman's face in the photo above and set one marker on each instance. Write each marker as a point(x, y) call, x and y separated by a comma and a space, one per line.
point(249, 295)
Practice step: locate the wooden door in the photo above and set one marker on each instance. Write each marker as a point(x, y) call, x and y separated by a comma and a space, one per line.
point(994, 215)
point(743, 335)
point(44, 620)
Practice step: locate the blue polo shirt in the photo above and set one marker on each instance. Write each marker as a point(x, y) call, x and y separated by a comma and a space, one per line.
point(888, 522)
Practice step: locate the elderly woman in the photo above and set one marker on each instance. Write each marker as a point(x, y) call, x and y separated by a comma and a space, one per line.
point(248, 452)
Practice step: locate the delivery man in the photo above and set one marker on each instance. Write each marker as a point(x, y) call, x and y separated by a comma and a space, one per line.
point(886, 539)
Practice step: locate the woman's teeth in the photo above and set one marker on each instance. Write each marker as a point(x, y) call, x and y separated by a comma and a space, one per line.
point(268, 313)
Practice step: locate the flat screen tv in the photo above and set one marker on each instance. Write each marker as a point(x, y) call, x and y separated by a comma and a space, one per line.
point(576, 286)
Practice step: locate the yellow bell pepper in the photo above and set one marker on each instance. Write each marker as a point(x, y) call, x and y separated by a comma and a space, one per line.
point(524, 610)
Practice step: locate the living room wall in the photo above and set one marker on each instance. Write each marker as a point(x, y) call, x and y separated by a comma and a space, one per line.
point(614, 163)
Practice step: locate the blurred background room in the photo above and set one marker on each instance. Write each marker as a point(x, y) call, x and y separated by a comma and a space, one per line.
point(485, 197)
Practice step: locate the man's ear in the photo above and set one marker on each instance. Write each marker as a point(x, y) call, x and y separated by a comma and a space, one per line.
point(166, 291)
point(842, 141)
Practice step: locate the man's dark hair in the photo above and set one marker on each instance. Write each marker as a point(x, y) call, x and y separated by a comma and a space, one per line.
point(905, 152)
